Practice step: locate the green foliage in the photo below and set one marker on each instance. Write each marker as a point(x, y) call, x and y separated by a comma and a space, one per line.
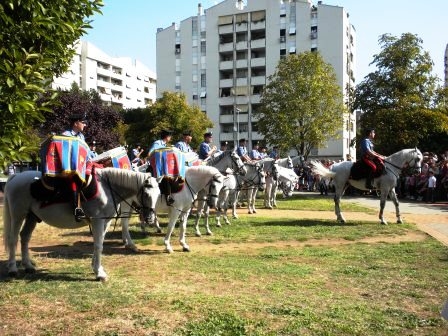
point(401, 98)
point(36, 44)
point(171, 111)
point(302, 106)
point(104, 122)
point(216, 324)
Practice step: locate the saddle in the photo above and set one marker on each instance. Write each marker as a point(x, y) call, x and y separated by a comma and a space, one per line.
point(360, 170)
point(171, 185)
point(52, 190)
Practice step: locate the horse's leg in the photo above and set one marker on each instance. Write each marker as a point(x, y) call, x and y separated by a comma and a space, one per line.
point(98, 226)
point(126, 236)
point(182, 232)
point(173, 215)
point(394, 198)
point(383, 199)
point(207, 217)
point(12, 222)
point(337, 201)
point(234, 203)
point(274, 194)
point(199, 211)
point(249, 197)
point(25, 236)
point(254, 197)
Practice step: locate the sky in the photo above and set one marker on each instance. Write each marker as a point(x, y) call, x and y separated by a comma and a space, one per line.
point(127, 28)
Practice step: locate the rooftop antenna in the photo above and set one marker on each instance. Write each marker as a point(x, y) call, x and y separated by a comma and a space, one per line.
point(240, 4)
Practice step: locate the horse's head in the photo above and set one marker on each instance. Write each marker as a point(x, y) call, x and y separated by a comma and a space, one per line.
point(215, 186)
point(289, 163)
point(287, 183)
point(415, 160)
point(148, 196)
point(262, 176)
point(238, 164)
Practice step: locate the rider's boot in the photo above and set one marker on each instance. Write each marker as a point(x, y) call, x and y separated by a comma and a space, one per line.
point(79, 212)
point(169, 198)
point(369, 181)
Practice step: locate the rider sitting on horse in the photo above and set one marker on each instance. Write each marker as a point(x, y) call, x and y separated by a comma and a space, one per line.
point(371, 158)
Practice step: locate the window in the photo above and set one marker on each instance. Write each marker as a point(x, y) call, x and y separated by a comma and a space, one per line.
point(292, 30)
point(292, 50)
point(203, 80)
point(203, 94)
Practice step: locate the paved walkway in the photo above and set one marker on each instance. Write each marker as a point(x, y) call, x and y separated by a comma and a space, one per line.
point(436, 223)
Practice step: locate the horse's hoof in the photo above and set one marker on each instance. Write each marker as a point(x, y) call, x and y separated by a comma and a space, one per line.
point(30, 270)
point(383, 223)
point(132, 248)
point(255, 211)
point(101, 279)
point(218, 225)
point(159, 230)
point(209, 233)
point(197, 234)
point(185, 249)
point(13, 274)
point(169, 251)
point(399, 221)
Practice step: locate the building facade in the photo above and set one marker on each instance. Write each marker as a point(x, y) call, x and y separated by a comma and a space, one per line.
point(221, 59)
point(446, 65)
point(120, 81)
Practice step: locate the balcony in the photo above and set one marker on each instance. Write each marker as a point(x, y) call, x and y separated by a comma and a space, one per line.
point(242, 81)
point(223, 83)
point(258, 80)
point(226, 119)
point(226, 137)
point(258, 62)
point(241, 26)
point(225, 29)
point(226, 65)
point(226, 47)
point(242, 63)
point(258, 25)
point(241, 45)
point(104, 72)
point(259, 43)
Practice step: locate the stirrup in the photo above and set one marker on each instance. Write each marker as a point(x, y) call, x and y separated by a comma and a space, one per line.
point(169, 200)
point(79, 214)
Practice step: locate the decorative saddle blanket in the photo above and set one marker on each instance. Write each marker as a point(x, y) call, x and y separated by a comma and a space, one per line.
point(64, 156)
point(116, 158)
point(168, 161)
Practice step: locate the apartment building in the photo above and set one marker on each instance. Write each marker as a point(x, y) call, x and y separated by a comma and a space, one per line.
point(120, 81)
point(221, 59)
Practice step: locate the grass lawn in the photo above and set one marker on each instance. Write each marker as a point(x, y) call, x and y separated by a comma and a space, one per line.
point(275, 273)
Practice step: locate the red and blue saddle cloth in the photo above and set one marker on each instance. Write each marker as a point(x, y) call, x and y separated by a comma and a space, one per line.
point(64, 156)
point(116, 158)
point(167, 161)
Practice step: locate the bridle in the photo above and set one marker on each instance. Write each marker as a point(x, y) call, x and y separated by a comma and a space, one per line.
point(414, 159)
point(251, 182)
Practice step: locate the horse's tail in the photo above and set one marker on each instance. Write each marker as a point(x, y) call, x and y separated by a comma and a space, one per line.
point(320, 169)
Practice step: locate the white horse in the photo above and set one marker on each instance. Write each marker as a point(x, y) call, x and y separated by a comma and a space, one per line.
point(287, 179)
point(254, 178)
point(114, 185)
point(196, 179)
point(253, 181)
point(340, 173)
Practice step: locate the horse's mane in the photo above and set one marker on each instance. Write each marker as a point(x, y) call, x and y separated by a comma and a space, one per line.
point(215, 159)
point(403, 154)
point(203, 169)
point(122, 176)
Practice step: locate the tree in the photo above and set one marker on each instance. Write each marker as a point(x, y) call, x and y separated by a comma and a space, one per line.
point(400, 98)
point(302, 106)
point(36, 39)
point(103, 122)
point(171, 111)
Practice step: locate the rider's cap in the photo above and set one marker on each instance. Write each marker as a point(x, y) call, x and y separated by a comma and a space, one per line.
point(164, 133)
point(368, 130)
point(78, 117)
point(242, 140)
point(208, 135)
point(187, 133)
